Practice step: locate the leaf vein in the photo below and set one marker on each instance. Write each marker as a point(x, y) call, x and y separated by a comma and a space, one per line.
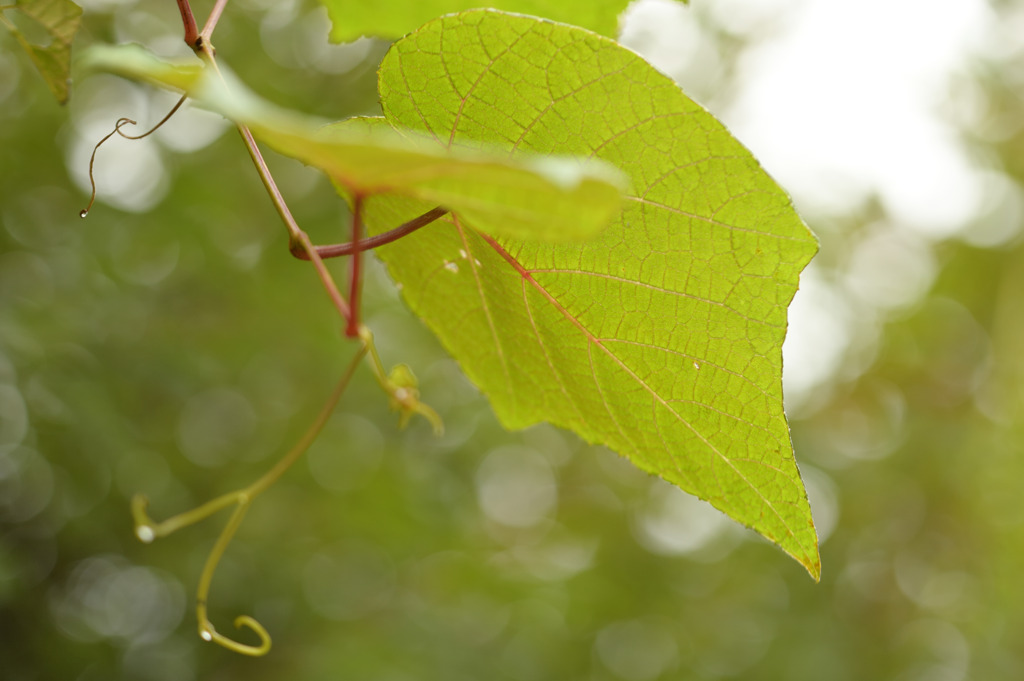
point(547, 357)
point(643, 284)
point(718, 223)
point(483, 299)
point(593, 340)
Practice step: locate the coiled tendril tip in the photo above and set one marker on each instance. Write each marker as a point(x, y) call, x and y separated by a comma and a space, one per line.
point(121, 122)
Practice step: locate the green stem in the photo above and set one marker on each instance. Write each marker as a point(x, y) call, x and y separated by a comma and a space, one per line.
point(207, 632)
point(303, 444)
point(147, 530)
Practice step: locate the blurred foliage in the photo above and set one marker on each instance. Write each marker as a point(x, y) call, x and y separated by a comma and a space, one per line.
point(175, 348)
point(394, 19)
point(55, 22)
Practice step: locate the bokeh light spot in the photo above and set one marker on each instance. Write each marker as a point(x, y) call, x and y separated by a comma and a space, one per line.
point(516, 486)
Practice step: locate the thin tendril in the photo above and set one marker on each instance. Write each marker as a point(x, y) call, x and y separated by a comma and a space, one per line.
point(121, 122)
point(206, 629)
point(92, 162)
point(156, 127)
point(147, 530)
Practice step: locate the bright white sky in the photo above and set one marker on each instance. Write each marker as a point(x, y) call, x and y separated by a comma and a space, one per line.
point(841, 101)
point(854, 90)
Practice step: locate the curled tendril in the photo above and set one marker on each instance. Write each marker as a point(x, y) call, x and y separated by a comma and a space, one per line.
point(206, 629)
point(146, 529)
point(144, 525)
point(92, 161)
point(121, 122)
point(208, 633)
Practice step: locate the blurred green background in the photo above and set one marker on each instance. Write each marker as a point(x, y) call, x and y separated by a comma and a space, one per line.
point(168, 344)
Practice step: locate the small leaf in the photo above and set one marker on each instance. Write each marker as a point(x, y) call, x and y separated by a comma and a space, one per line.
point(661, 338)
point(501, 195)
point(60, 20)
point(395, 18)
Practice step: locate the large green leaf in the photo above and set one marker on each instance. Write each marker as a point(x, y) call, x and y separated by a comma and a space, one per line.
point(662, 338)
point(505, 196)
point(59, 21)
point(395, 18)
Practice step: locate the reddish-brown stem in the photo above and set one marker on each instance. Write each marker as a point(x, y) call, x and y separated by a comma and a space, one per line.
point(369, 243)
point(189, 21)
point(295, 232)
point(300, 244)
point(355, 272)
point(204, 50)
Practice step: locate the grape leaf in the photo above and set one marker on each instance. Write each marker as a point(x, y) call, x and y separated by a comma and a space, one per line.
point(395, 18)
point(59, 19)
point(503, 196)
point(661, 338)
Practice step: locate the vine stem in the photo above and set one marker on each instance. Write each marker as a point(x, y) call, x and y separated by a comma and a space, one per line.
point(400, 386)
point(189, 22)
point(371, 242)
point(355, 271)
point(204, 50)
point(300, 245)
point(296, 234)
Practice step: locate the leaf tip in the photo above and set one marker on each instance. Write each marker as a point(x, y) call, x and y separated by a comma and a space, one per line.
point(809, 557)
point(813, 566)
